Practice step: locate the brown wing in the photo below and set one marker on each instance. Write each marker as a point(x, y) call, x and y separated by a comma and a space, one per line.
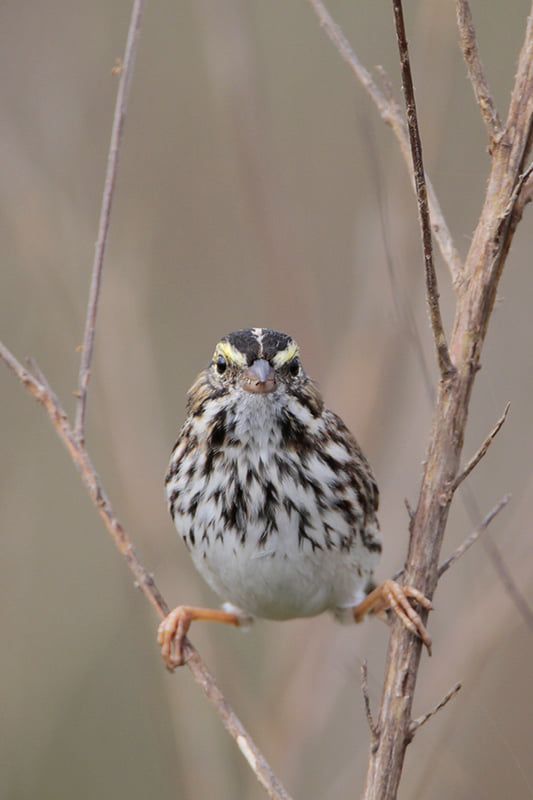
point(359, 468)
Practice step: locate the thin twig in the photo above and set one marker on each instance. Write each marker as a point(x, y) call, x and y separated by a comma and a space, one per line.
point(474, 536)
point(445, 364)
point(126, 72)
point(391, 114)
point(509, 584)
point(476, 73)
point(522, 186)
point(476, 458)
point(374, 731)
point(40, 390)
point(410, 512)
point(524, 193)
point(419, 721)
point(386, 83)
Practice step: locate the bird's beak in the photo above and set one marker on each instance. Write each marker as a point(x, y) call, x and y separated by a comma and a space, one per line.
point(260, 378)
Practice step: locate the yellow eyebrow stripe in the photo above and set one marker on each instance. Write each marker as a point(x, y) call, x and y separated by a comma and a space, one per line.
point(284, 356)
point(230, 353)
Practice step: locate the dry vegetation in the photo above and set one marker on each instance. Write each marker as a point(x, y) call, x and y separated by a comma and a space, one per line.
point(475, 283)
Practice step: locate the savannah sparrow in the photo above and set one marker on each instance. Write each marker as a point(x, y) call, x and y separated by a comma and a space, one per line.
point(273, 497)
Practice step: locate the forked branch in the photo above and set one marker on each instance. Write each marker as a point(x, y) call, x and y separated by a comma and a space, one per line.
point(468, 542)
point(447, 370)
point(474, 536)
point(483, 268)
point(481, 452)
point(476, 73)
point(391, 114)
point(419, 721)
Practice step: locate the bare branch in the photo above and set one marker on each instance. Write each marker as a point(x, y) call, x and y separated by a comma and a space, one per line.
point(410, 512)
point(391, 114)
point(486, 258)
point(125, 71)
point(476, 73)
point(474, 536)
point(476, 458)
point(388, 90)
point(38, 387)
point(509, 584)
point(522, 187)
point(524, 192)
point(525, 185)
point(445, 364)
point(526, 195)
point(374, 731)
point(419, 721)
point(73, 438)
point(37, 371)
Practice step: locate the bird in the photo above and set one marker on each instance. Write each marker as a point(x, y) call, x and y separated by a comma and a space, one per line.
point(274, 499)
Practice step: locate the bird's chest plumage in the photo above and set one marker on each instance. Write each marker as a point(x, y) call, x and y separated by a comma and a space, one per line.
point(270, 524)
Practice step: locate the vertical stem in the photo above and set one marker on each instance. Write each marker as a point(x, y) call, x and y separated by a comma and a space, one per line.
point(445, 365)
point(126, 72)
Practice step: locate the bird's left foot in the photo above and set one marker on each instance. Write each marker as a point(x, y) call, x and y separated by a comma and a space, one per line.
point(391, 596)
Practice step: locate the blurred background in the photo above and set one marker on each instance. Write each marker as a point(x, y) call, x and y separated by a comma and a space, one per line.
point(257, 186)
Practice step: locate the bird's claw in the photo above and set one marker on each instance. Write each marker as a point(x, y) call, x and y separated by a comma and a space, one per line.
point(391, 596)
point(171, 634)
point(398, 598)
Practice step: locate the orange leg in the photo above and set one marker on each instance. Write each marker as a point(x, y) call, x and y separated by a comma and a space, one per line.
point(391, 596)
point(173, 630)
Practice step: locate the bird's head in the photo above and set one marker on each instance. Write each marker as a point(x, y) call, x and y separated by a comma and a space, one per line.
point(256, 362)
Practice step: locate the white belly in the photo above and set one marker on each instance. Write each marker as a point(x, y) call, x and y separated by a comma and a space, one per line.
point(282, 581)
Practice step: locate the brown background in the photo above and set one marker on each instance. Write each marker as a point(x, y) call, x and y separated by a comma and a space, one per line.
point(249, 194)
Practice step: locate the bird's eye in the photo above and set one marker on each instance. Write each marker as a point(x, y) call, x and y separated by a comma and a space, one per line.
point(221, 365)
point(294, 367)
